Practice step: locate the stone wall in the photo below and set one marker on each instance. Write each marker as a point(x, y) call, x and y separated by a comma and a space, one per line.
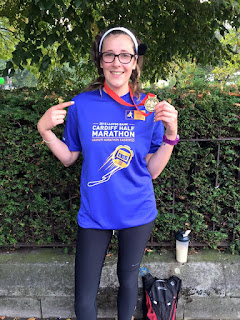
point(40, 283)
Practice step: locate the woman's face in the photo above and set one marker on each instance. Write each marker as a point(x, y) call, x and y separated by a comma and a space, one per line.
point(117, 74)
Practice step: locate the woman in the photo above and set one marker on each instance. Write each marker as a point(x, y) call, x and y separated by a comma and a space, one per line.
point(124, 147)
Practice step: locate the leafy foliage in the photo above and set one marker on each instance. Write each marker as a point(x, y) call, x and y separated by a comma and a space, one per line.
point(33, 207)
point(56, 31)
point(198, 190)
point(230, 68)
point(8, 39)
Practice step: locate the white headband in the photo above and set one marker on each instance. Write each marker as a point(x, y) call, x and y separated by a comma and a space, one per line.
point(131, 35)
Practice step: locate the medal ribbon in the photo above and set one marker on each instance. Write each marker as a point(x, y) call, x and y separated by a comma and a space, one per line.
point(116, 97)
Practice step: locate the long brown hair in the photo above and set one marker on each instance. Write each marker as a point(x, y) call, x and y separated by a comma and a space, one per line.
point(96, 56)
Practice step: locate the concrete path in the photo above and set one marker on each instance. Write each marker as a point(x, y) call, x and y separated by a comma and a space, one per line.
point(40, 283)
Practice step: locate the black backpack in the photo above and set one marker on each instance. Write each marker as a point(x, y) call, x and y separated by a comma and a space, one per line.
point(160, 296)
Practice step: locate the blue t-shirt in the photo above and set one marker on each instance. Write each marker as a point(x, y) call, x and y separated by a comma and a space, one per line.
point(116, 186)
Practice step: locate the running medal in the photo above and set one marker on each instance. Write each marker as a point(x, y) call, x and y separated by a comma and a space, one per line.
point(151, 102)
point(118, 99)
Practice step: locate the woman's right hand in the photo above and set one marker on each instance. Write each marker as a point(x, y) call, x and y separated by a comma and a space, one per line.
point(53, 117)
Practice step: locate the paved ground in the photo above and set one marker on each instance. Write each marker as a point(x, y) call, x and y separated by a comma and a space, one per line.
point(40, 284)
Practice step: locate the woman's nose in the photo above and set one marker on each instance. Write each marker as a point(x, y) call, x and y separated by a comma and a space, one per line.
point(116, 61)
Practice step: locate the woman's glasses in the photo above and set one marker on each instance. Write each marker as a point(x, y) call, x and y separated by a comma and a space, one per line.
point(124, 58)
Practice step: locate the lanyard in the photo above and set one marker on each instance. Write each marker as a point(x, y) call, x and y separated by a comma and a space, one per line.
point(116, 97)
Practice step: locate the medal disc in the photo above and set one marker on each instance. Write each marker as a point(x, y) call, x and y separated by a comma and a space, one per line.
point(150, 103)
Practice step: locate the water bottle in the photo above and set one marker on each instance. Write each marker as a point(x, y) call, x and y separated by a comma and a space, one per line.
point(182, 242)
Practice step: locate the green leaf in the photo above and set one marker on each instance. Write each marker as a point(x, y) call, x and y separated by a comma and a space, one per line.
point(78, 3)
point(9, 65)
point(41, 5)
point(46, 61)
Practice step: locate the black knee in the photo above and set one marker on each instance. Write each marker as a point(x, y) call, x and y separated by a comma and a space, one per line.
point(128, 278)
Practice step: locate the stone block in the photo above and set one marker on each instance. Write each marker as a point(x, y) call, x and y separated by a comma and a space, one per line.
point(109, 275)
point(199, 279)
point(214, 308)
point(40, 283)
point(37, 279)
point(107, 304)
point(62, 307)
point(20, 307)
point(232, 278)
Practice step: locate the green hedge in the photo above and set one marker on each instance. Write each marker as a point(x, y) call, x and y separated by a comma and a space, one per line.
point(39, 198)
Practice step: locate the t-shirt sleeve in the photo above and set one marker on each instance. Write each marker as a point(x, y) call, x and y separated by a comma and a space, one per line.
point(157, 136)
point(71, 132)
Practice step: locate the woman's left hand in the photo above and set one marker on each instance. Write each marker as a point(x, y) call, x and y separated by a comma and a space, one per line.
point(169, 116)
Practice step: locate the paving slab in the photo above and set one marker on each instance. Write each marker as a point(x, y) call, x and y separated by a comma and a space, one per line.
point(232, 279)
point(200, 279)
point(107, 302)
point(36, 274)
point(20, 307)
point(212, 308)
point(58, 307)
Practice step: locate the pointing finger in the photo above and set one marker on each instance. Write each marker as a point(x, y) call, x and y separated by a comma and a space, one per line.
point(63, 105)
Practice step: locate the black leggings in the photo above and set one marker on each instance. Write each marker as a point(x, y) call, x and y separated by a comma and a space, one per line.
point(92, 245)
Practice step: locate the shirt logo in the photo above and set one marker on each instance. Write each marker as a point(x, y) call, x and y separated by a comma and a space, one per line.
point(119, 159)
point(134, 115)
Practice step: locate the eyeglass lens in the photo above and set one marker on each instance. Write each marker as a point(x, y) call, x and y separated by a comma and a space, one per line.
point(109, 57)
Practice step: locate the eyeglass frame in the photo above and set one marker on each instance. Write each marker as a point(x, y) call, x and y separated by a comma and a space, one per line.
point(117, 55)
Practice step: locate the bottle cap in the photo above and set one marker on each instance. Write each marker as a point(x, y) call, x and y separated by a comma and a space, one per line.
point(183, 236)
